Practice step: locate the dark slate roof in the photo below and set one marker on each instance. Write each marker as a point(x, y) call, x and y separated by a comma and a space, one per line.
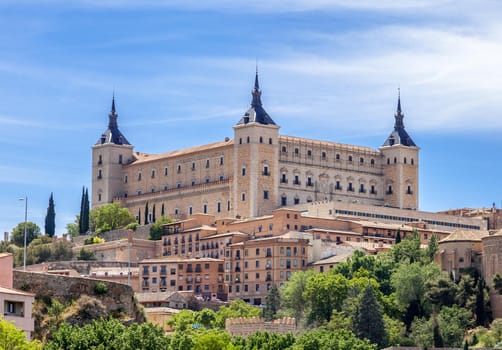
point(112, 134)
point(256, 114)
point(399, 136)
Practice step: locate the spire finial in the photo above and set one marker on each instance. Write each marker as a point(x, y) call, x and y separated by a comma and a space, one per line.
point(256, 91)
point(113, 102)
point(399, 99)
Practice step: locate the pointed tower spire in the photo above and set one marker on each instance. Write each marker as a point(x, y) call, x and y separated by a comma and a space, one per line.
point(256, 91)
point(112, 117)
point(399, 136)
point(113, 134)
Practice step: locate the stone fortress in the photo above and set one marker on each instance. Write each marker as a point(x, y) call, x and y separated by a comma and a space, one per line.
point(254, 173)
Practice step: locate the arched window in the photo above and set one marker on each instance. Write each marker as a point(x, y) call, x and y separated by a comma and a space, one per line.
point(412, 161)
point(261, 139)
point(284, 150)
point(323, 155)
point(404, 160)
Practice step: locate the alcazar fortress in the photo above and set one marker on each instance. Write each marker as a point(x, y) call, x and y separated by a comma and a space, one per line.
point(256, 172)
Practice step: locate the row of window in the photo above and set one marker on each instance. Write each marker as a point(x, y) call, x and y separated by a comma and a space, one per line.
point(324, 156)
point(405, 161)
point(248, 140)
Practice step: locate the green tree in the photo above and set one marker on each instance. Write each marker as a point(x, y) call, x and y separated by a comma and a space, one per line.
point(237, 308)
point(432, 248)
point(324, 293)
point(292, 294)
point(398, 236)
point(368, 318)
point(453, 323)
point(84, 216)
point(109, 217)
point(32, 232)
point(156, 228)
point(153, 214)
point(72, 229)
point(162, 210)
point(12, 338)
point(422, 332)
point(86, 254)
point(497, 283)
point(146, 214)
point(50, 218)
point(441, 291)
point(408, 251)
point(206, 317)
point(265, 341)
point(212, 339)
point(322, 339)
point(272, 303)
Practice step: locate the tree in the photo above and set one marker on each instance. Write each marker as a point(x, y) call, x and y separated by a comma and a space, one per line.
point(50, 218)
point(272, 303)
point(432, 248)
point(109, 217)
point(32, 232)
point(153, 214)
point(14, 338)
point(292, 293)
point(86, 254)
point(497, 283)
point(237, 308)
point(72, 229)
point(453, 323)
point(84, 212)
point(162, 210)
point(398, 236)
point(368, 318)
point(156, 228)
point(324, 293)
point(146, 214)
point(322, 339)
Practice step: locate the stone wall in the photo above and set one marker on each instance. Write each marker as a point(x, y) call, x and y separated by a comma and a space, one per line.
point(142, 232)
point(82, 267)
point(120, 297)
point(245, 326)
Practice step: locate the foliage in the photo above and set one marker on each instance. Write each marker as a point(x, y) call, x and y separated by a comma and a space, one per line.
point(265, 341)
point(432, 248)
point(86, 254)
point(453, 322)
point(94, 240)
point(212, 339)
point(108, 334)
point(50, 218)
point(12, 338)
point(237, 308)
point(321, 339)
point(292, 293)
point(100, 288)
point(422, 332)
point(72, 229)
point(368, 318)
point(408, 250)
point(146, 214)
point(83, 218)
point(32, 232)
point(272, 303)
point(182, 321)
point(109, 217)
point(156, 228)
point(324, 293)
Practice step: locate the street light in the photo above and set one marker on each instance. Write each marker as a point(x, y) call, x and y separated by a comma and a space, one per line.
point(25, 199)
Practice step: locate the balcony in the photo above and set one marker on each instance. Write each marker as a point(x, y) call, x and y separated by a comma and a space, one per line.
point(268, 279)
point(284, 181)
point(237, 269)
point(198, 279)
point(189, 269)
point(163, 272)
point(189, 280)
point(269, 266)
point(198, 269)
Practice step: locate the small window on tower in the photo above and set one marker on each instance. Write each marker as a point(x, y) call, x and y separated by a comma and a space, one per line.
point(120, 158)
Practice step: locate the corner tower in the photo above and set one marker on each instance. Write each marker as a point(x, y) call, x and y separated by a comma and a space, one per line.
point(400, 165)
point(110, 152)
point(256, 160)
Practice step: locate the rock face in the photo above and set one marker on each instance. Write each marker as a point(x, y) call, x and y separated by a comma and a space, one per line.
point(117, 298)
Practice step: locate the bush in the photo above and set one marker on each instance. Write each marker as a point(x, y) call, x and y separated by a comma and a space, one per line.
point(94, 240)
point(100, 288)
point(86, 254)
point(156, 229)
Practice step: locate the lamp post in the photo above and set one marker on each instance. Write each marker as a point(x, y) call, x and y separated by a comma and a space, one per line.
point(25, 199)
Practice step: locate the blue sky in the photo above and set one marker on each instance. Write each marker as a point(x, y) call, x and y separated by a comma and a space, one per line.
point(182, 72)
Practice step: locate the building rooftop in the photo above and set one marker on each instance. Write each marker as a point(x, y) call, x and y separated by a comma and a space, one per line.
point(335, 259)
point(15, 292)
point(465, 236)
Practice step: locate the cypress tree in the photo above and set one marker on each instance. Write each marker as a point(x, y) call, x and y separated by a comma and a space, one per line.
point(153, 214)
point(50, 218)
point(162, 211)
point(85, 214)
point(139, 216)
point(146, 213)
point(398, 236)
point(368, 317)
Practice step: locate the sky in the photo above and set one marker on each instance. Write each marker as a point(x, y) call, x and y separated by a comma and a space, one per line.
point(182, 74)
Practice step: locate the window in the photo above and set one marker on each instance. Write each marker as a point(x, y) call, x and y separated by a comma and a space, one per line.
point(99, 197)
point(338, 186)
point(257, 251)
point(283, 179)
point(297, 152)
point(372, 162)
point(179, 168)
point(404, 160)
point(243, 171)
point(100, 160)
point(265, 171)
point(412, 161)
point(395, 160)
point(270, 141)
point(240, 141)
point(207, 163)
point(409, 190)
point(243, 197)
point(323, 155)
point(373, 191)
point(284, 200)
point(153, 173)
point(361, 160)
point(284, 149)
point(297, 200)
point(265, 194)
point(221, 160)
point(248, 140)
point(350, 188)
point(309, 181)
point(337, 157)
point(193, 166)
point(218, 207)
point(389, 189)
point(120, 158)
point(205, 208)
point(257, 263)
point(350, 159)
point(139, 176)
point(261, 139)
point(125, 179)
point(309, 154)
point(297, 180)
point(100, 174)
point(362, 189)
point(165, 171)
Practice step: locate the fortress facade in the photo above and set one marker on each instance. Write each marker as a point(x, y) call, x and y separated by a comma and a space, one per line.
point(257, 171)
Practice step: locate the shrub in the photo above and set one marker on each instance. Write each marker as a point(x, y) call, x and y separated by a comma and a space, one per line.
point(100, 288)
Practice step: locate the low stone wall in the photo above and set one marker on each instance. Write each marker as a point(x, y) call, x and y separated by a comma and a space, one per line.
point(142, 232)
point(120, 297)
point(245, 326)
point(81, 266)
